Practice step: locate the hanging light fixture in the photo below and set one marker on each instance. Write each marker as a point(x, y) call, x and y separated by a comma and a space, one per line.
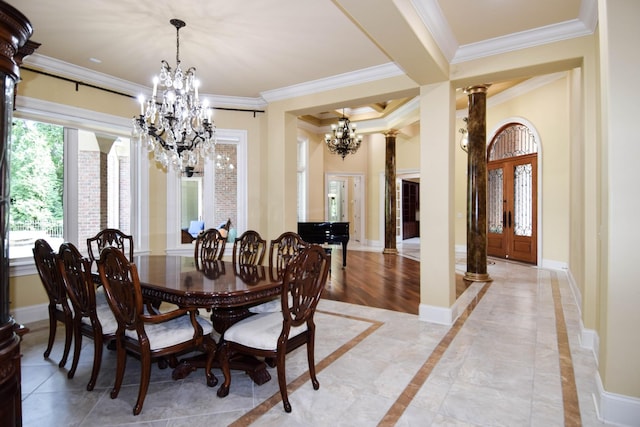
point(176, 126)
point(464, 139)
point(343, 139)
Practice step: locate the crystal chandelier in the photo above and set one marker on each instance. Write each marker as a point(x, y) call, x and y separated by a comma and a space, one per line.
point(176, 126)
point(343, 139)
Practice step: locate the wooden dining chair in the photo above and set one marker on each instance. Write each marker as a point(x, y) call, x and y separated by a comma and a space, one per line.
point(282, 250)
point(273, 335)
point(110, 237)
point(92, 316)
point(249, 249)
point(59, 307)
point(209, 246)
point(150, 336)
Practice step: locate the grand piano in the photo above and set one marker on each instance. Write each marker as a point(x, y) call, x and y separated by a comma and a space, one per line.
point(326, 232)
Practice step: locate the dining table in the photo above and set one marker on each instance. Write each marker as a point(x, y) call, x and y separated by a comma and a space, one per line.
point(222, 288)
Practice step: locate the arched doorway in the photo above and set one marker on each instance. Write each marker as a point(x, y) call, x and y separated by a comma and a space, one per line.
point(512, 179)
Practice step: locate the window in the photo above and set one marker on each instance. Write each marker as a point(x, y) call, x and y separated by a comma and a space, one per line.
point(215, 192)
point(46, 202)
point(302, 179)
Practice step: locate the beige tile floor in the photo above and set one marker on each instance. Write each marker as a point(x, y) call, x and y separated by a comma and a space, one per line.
point(499, 365)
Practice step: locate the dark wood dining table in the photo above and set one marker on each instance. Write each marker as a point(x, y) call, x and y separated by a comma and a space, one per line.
point(227, 290)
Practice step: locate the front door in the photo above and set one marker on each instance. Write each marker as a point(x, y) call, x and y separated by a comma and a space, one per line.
point(512, 194)
point(512, 208)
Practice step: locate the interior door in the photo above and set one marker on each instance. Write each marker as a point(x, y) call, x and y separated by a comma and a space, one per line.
point(512, 208)
point(410, 209)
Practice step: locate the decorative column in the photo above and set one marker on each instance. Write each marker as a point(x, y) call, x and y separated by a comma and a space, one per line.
point(477, 185)
point(15, 30)
point(390, 193)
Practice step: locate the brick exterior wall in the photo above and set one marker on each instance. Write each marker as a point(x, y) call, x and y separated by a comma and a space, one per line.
point(226, 193)
point(89, 196)
point(124, 165)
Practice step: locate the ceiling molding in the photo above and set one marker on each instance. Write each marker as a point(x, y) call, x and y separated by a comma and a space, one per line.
point(370, 74)
point(522, 40)
point(433, 18)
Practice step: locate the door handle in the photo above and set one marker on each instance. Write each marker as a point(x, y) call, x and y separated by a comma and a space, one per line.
point(504, 219)
point(509, 219)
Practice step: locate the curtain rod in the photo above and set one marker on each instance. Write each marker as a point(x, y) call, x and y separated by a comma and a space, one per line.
point(79, 83)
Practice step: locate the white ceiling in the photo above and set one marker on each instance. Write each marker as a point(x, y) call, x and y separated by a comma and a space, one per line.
point(256, 50)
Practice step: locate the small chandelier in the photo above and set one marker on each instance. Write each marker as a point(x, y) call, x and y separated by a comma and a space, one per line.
point(344, 140)
point(177, 127)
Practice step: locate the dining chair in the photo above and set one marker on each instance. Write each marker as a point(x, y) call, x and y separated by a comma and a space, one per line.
point(150, 336)
point(110, 237)
point(209, 246)
point(59, 306)
point(92, 316)
point(249, 249)
point(273, 335)
point(282, 251)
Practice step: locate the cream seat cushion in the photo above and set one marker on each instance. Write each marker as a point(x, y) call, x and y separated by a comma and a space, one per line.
point(172, 332)
point(105, 315)
point(260, 331)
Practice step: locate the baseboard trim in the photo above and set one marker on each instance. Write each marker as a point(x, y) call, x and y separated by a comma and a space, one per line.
point(434, 314)
point(616, 409)
point(31, 313)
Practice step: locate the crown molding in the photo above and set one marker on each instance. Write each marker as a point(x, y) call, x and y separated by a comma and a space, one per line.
point(365, 75)
point(74, 72)
point(522, 40)
point(432, 17)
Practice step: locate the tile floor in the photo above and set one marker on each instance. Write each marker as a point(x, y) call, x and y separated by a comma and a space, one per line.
point(498, 365)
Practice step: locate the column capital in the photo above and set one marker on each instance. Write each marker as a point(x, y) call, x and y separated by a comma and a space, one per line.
point(391, 133)
point(477, 88)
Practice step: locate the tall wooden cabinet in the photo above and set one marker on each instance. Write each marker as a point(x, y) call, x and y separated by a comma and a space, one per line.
point(15, 31)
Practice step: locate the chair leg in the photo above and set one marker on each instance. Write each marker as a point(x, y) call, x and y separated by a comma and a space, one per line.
point(210, 349)
point(121, 362)
point(52, 331)
point(68, 333)
point(282, 380)
point(145, 375)
point(77, 346)
point(223, 390)
point(312, 364)
point(97, 361)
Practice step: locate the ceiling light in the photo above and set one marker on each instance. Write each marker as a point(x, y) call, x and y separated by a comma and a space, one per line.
point(176, 126)
point(343, 139)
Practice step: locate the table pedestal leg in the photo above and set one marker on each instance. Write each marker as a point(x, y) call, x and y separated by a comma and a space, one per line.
point(222, 319)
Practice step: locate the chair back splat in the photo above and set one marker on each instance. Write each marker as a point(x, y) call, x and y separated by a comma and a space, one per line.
point(59, 308)
point(149, 335)
point(274, 334)
point(110, 237)
point(282, 251)
point(249, 249)
point(209, 246)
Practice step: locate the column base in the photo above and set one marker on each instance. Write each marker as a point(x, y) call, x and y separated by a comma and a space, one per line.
point(392, 251)
point(477, 277)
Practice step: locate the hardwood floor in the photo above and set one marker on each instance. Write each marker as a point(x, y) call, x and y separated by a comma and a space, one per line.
point(377, 280)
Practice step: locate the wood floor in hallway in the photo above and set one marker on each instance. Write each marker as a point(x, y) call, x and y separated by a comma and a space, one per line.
point(378, 280)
